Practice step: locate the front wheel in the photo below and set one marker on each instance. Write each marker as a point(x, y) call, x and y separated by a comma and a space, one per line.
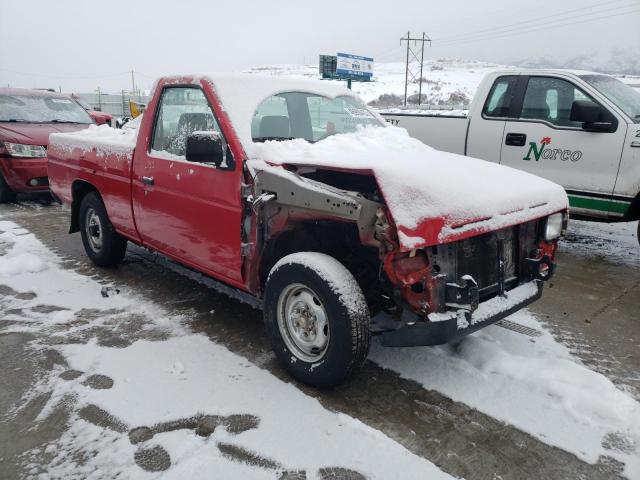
point(104, 246)
point(317, 318)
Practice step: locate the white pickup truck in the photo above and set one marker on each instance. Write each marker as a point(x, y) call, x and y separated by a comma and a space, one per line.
point(578, 129)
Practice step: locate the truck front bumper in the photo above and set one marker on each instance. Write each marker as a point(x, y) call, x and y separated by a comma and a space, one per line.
point(446, 327)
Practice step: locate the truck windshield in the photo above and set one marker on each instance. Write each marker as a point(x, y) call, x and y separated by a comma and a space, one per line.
point(622, 95)
point(309, 116)
point(41, 109)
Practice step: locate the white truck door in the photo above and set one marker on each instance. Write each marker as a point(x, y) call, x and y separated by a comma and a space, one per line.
point(484, 137)
point(544, 140)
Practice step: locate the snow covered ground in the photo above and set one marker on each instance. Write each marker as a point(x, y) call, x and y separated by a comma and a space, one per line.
point(611, 241)
point(533, 383)
point(173, 402)
point(167, 400)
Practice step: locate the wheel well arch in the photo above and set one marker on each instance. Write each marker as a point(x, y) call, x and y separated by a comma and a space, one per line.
point(634, 210)
point(79, 189)
point(334, 238)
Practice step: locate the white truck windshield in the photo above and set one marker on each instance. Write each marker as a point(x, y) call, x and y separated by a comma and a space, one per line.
point(623, 96)
point(309, 116)
point(41, 109)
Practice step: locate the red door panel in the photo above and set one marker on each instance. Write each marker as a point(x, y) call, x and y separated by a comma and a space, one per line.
point(189, 211)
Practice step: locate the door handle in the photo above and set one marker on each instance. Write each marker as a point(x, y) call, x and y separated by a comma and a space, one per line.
point(147, 180)
point(515, 139)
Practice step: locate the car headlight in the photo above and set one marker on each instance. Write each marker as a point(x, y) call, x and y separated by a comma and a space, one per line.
point(27, 151)
point(554, 226)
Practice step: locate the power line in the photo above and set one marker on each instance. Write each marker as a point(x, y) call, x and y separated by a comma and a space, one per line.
point(538, 19)
point(64, 77)
point(540, 28)
point(385, 53)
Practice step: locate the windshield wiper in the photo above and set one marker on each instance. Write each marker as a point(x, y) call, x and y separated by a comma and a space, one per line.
point(14, 120)
point(57, 120)
point(277, 139)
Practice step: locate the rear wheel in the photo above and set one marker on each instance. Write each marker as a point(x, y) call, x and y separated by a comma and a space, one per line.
point(104, 246)
point(317, 318)
point(6, 194)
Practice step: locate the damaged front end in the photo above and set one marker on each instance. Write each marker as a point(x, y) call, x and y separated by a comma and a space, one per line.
point(426, 296)
point(448, 291)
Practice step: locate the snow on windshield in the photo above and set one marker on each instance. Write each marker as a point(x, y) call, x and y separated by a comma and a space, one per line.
point(41, 109)
point(420, 184)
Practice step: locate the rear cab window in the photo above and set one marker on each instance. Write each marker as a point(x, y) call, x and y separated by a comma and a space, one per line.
point(500, 98)
point(309, 116)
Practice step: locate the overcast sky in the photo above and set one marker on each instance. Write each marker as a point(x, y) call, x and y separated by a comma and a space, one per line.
point(80, 44)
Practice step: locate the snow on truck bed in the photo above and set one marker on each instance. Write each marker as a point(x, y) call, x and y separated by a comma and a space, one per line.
point(433, 196)
point(106, 141)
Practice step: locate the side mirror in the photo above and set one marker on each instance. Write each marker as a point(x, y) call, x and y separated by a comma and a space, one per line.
point(205, 147)
point(584, 111)
point(591, 115)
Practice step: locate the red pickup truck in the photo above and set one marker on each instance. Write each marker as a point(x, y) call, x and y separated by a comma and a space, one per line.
point(294, 196)
point(101, 118)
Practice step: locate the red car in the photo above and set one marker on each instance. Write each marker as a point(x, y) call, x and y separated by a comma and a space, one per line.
point(27, 117)
point(101, 118)
point(295, 197)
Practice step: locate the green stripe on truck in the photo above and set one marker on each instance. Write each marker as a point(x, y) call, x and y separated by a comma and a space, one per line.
point(599, 204)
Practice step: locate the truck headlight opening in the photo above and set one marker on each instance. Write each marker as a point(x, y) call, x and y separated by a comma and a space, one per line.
point(553, 226)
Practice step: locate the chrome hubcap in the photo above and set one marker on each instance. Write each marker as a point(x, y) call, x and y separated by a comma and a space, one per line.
point(303, 322)
point(93, 229)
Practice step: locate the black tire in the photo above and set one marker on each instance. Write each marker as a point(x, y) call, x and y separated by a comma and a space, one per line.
point(638, 233)
point(104, 246)
point(337, 296)
point(6, 194)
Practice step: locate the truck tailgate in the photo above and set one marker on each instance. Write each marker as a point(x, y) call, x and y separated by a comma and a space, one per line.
point(441, 132)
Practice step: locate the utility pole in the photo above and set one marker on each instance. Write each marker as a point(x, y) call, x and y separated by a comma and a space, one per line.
point(133, 84)
point(99, 99)
point(417, 60)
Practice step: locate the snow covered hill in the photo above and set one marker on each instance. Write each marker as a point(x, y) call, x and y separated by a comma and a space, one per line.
point(447, 83)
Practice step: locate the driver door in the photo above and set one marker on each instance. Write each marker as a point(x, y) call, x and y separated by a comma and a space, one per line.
point(543, 140)
point(188, 211)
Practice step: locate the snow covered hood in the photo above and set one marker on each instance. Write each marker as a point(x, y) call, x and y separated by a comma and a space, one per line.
point(434, 197)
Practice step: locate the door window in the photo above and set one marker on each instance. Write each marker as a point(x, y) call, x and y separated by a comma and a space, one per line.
point(550, 100)
point(500, 96)
point(181, 111)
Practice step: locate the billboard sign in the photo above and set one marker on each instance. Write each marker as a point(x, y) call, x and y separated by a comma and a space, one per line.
point(348, 65)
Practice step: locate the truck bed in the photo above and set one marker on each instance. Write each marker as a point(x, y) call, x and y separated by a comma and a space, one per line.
point(442, 132)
